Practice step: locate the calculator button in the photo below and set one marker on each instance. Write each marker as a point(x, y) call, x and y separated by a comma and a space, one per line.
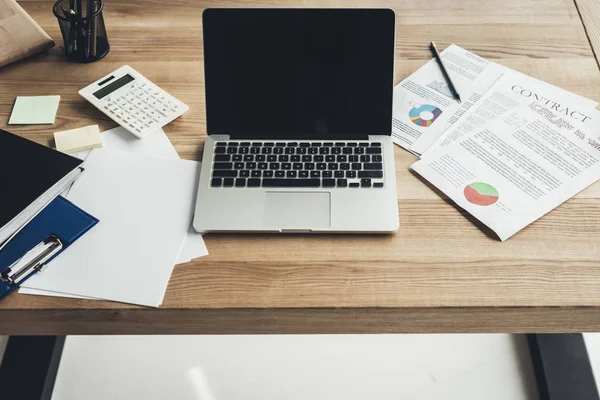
point(141, 105)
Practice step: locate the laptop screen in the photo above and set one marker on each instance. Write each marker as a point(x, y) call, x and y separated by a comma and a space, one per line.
point(299, 73)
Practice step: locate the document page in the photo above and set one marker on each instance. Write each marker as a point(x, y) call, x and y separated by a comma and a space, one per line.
point(423, 103)
point(424, 109)
point(519, 158)
point(470, 97)
point(494, 104)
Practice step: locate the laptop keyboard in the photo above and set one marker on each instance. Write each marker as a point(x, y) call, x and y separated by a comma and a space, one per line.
point(297, 165)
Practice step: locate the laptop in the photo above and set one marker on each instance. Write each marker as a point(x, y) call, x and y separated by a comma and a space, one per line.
point(298, 116)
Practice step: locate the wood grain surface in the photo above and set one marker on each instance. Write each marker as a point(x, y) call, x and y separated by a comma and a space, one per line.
point(589, 11)
point(441, 272)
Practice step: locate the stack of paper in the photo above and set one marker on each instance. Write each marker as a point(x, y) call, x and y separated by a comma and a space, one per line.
point(516, 149)
point(130, 256)
point(424, 108)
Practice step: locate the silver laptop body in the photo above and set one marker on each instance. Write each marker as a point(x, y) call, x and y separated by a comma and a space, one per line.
point(299, 107)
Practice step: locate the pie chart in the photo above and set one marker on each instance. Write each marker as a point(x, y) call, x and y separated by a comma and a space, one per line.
point(481, 194)
point(424, 115)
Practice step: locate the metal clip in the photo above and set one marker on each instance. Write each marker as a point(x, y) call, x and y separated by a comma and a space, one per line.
point(32, 261)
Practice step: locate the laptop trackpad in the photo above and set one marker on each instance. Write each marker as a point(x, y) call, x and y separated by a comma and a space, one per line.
point(297, 210)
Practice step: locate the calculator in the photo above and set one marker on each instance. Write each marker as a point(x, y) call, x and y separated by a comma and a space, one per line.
point(133, 101)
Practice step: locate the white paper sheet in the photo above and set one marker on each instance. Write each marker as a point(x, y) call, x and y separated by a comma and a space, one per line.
point(192, 248)
point(142, 242)
point(423, 102)
point(424, 109)
point(157, 144)
point(524, 149)
point(476, 116)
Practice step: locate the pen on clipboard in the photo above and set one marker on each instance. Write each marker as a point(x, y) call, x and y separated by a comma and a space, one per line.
point(438, 58)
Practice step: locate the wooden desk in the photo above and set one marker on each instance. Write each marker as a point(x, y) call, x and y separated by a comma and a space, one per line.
point(439, 273)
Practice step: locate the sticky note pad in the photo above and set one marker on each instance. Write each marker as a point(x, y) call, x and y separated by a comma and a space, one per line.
point(79, 139)
point(32, 110)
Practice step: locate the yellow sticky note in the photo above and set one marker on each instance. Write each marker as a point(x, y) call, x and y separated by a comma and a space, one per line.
point(31, 110)
point(79, 139)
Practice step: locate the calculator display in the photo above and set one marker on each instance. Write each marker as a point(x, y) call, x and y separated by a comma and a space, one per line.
point(119, 83)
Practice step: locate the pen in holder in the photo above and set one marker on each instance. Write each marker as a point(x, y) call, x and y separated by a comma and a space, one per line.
point(82, 26)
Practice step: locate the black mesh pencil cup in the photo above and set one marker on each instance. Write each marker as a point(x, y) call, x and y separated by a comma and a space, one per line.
point(82, 26)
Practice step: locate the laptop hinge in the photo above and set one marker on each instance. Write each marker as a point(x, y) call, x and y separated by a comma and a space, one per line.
point(298, 136)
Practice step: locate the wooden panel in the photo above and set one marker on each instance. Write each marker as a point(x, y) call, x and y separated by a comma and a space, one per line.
point(442, 271)
point(303, 321)
point(590, 15)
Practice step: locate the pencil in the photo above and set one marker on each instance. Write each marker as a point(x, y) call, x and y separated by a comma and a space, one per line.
point(88, 14)
point(437, 56)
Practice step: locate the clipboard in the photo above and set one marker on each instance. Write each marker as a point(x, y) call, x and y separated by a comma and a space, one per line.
point(51, 232)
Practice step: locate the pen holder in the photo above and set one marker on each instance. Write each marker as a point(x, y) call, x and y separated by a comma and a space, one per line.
point(82, 26)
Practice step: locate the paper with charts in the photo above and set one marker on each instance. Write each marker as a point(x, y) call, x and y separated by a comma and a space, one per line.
point(521, 151)
point(424, 108)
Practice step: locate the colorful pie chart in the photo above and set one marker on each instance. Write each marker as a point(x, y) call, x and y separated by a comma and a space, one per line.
point(481, 194)
point(424, 115)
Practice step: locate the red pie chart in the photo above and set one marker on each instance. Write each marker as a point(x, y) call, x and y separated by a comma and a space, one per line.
point(481, 194)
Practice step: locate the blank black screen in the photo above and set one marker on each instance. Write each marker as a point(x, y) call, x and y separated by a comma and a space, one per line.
point(316, 73)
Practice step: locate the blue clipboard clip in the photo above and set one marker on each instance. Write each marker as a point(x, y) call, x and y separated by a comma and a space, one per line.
point(32, 261)
point(53, 230)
